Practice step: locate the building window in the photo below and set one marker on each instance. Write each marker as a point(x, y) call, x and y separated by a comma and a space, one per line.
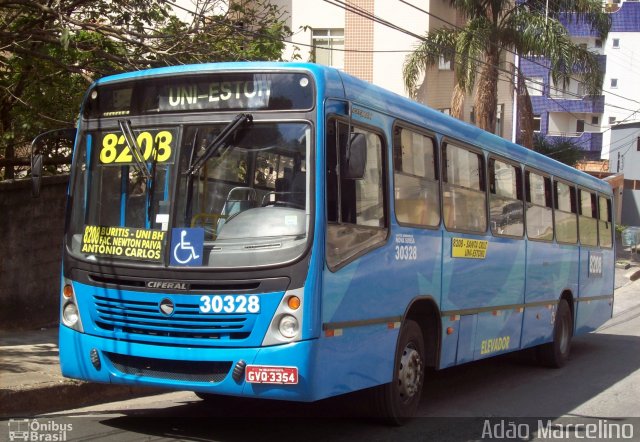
point(328, 47)
point(499, 120)
point(638, 144)
point(616, 43)
point(536, 123)
point(580, 126)
point(535, 86)
point(445, 110)
point(595, 120)
point(598, 43)
point(444, 63)
point(612, 120)
point(614, 83)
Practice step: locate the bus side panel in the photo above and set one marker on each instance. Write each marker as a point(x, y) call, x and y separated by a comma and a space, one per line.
point(364, 303)
point(498, 332)
point(551, 269)
point(495, 280)
point(353, 359)
point(596, 280)
point(537, 327)
point(591, 314)
point(596, 275)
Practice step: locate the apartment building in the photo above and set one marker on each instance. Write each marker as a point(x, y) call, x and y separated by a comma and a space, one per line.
point(564, 110)
point(370, 39)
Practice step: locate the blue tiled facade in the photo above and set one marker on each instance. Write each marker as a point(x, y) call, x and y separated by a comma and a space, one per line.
point(626, 19)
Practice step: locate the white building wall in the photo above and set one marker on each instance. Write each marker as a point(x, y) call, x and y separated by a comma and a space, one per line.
point(387, 66)
point(623, 64)
point(391, 46)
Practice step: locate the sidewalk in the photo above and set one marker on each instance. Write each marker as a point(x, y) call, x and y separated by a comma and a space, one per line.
point(31, 383)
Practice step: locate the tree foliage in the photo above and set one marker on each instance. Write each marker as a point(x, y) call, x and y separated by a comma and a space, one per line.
point(51, 51)
point(493, 27)
point(563, 149)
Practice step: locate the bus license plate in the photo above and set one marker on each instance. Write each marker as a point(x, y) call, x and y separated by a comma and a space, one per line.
point(268, 374)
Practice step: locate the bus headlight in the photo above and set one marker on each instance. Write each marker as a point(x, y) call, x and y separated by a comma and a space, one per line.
point(289, 326)
point(287, 323)
point(70, 314)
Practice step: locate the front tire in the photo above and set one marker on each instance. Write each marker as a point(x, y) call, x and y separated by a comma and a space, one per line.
point(555, 354)
point(398, 401)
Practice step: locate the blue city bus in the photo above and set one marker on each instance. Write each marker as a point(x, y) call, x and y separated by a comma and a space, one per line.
point(287, 231)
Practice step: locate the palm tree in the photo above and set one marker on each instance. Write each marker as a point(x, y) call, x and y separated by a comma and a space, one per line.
point(496, 26)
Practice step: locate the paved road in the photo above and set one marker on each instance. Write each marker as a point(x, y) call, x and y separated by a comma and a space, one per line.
point(601, 383)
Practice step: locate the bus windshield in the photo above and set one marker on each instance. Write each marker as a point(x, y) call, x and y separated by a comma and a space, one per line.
point(248, 199)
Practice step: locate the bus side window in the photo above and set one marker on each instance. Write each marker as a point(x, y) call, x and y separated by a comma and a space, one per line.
point(416, 186)
point(505, 199)
point(566, 222)
point(539, 212)
point(604, 222)
point(464, 197)
point(356, 214)
point(587, 218)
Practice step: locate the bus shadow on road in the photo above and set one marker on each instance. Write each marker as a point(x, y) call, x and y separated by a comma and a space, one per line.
point(455, 402)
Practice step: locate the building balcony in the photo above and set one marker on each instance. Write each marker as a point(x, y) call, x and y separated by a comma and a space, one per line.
point(568, 103)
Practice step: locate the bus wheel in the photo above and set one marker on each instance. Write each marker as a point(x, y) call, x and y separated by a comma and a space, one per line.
point(398, 401)
point(555, 354)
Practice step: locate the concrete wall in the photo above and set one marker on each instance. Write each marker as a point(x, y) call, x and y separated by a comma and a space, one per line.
point(31, 232)
point(631, 208)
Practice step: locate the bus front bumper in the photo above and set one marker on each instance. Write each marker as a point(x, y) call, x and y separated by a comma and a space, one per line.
point(206, 370)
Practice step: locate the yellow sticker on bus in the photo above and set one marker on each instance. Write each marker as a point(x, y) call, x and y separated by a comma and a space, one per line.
point(123, 242)
point(155, 145)
point(469, 248)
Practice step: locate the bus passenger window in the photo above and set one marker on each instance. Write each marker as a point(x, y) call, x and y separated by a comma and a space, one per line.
point(355, 207)
point(566, 222)
point(416, 187)
point(604, 222)
point(464, 198)
point(539, 212)
point(505, 199)
point(588, 218)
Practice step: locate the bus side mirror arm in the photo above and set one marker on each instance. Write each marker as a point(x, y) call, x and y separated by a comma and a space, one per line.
point(37, 159)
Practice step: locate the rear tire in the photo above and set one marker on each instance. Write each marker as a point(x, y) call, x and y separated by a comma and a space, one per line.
point(398, 401)
point(555, 354)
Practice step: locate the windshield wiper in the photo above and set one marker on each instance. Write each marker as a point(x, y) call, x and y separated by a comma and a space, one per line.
point(218, 142)
point(136, 152)
point(189, 187)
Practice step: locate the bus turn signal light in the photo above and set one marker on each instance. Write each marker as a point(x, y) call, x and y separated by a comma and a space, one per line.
point(67, 291)
point(293, 302)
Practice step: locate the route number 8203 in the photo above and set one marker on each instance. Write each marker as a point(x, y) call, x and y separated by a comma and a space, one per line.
point(230, 304)
point(156, 146)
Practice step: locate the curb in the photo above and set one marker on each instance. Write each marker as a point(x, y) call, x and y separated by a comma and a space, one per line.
point(67, 394)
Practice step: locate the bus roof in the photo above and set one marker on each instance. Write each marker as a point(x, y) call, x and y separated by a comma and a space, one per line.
point(334, 83)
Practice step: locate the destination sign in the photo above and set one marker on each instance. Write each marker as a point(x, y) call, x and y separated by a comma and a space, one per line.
point(193, 93)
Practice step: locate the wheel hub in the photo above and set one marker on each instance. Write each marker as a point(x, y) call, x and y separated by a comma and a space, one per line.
point(409, 373)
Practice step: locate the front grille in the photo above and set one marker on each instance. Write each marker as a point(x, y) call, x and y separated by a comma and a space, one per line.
point(143, 318)
point(188, 371)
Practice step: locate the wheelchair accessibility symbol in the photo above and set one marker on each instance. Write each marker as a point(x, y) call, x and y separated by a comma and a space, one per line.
point(187, 246)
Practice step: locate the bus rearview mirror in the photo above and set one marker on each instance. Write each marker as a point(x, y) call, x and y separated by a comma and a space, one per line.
point(355, 159)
